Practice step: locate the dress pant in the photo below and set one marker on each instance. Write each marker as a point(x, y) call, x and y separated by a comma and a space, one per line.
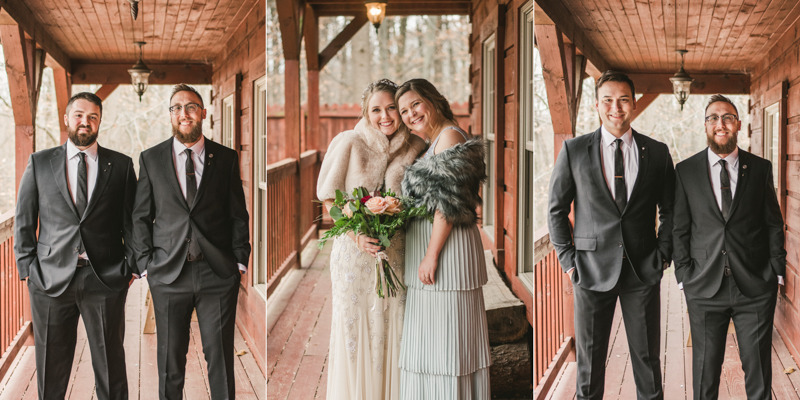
point(55, 331)
point(641, 312)
point(214, 298)
point(752, 318)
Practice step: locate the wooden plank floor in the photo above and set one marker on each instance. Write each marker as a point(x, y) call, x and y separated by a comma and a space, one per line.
point(297, 345)
point(676, 359)
point(140, 354)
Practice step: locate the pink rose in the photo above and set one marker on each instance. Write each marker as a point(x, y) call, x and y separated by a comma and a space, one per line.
point(393, 205)
point(377, 205)
point(347, 211)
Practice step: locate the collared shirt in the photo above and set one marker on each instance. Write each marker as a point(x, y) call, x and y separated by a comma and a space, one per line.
point(179, 160)
point(714, 168)
point(72, 173)
point(630, 157)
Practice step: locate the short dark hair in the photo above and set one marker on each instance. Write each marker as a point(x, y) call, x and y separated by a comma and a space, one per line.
point(88, 96)
point(182, 87)
point(718, 97)
point(613, 76)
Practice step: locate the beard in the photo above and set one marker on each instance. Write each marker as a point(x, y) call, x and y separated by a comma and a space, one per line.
point(726, 148)
point(191, 137)
point(82, 139)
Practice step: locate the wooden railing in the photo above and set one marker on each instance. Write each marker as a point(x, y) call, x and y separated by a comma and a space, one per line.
point(552, 314)
point(14, 329)
point(290, 209)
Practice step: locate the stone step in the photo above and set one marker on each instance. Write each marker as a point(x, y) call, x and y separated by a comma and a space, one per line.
point(505, 313)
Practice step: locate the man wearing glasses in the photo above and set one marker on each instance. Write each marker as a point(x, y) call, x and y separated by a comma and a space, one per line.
point(192, 242)
point(728, 252)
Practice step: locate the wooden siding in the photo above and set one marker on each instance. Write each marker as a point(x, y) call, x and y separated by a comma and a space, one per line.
point(485, 17)
point(780, 64)
point(236, 69)
point(721, 36)
point(175, 30)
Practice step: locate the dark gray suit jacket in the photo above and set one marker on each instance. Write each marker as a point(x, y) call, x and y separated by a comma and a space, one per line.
point(218, 217)
point(44, 200)
point(602, 234)
point(752, 239)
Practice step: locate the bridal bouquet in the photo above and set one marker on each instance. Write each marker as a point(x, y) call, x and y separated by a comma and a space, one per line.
point(378, 216)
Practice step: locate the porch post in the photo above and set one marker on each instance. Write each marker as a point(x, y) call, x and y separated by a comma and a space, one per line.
point(311, 36)
point(62, 80)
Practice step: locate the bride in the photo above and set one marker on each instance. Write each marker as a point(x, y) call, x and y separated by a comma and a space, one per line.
point(365, 329)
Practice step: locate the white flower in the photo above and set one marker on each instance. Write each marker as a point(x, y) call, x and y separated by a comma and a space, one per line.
point(350, 277)
point(354, 298)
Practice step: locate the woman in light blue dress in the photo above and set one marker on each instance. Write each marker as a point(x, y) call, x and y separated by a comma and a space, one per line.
point(444, 350)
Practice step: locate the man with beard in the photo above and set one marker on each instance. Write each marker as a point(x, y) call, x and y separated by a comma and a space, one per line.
point(79, 195)
point(192, 242)
point(729, 255)
point(618, 181)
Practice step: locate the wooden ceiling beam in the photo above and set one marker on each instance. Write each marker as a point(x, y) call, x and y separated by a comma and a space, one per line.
point(341, 39)
point(703, 83)
point(642, 103)
point(62, 81)
point(16, 12)
point(556, 13)
point(163, 74)
point(392, 9)
point(104, 91)
point(556, 81)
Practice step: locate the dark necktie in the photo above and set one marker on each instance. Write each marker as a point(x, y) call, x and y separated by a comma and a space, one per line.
point(191, 191)
point(725, 189)
point(620, 190)
point(82, 194)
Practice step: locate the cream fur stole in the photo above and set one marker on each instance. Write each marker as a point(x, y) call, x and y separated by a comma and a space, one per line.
point(366, 157)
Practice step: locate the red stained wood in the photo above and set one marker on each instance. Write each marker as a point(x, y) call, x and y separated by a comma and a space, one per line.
point(104, 91)
point(554, 68)
point(703, 83)
point(196, 379)
point(23, 376)
point(163, 74)
point(643, 102)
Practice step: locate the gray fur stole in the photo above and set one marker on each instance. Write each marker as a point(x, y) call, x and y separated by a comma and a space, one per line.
point(449, 181)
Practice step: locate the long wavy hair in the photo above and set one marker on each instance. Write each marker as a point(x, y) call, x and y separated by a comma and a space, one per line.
point(433, 99)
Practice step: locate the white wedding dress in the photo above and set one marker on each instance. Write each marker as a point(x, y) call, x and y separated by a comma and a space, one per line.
point(365, 329)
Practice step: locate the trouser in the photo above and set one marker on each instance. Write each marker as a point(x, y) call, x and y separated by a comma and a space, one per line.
point(752, 317)
point(55, 332)
point(641, 312)
point(214, 298)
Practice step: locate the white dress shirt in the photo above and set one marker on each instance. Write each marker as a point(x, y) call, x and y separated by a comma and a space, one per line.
point(714, 168)
point(630, 157)
point(72, 174)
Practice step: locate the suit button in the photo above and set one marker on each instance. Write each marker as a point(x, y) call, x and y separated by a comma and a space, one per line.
point(724, 252)
point(77, 249)
point(188, 240)
point(620, 244)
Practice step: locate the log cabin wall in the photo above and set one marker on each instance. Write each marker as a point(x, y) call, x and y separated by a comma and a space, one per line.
point(236, 68)
point(777, 76)
point(499, 18)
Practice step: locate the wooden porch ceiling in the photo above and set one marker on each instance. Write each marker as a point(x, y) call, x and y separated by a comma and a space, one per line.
point(324, 8)
point(80, 33)
point(723, 36)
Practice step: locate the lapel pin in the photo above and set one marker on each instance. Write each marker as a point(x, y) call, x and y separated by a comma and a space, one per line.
point(744, 166)
point(642, 147)
point(210, 156)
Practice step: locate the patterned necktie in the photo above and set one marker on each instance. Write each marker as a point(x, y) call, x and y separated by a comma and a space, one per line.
point(725, 189)
point(191, 191)
point(620, 189)
point(82, 194)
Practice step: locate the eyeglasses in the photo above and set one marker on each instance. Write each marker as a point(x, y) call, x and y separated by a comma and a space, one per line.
point(190, 108)
point(726, 119)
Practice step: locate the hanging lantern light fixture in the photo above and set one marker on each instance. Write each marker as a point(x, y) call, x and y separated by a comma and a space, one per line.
point(140, 74)
point(681, 82)
point(376, 11)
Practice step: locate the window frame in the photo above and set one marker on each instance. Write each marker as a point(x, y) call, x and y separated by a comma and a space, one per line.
point(260, 186)
point(488, 75)
point(526, 234)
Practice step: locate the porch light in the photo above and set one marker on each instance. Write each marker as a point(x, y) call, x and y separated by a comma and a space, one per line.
point(139, 74)
point(681, 82)
point(134, 8)
point(375, 12)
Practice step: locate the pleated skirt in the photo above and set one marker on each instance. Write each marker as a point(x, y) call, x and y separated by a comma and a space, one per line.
point(444, 350)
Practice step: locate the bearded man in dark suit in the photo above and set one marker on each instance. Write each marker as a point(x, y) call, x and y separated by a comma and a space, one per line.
point(193, 243)
point(79, 195)
point(729, 253)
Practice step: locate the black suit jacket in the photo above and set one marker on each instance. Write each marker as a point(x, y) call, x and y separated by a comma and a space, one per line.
point(218, 217)
point(752, 239)
point(602, 234)
point(44, 201)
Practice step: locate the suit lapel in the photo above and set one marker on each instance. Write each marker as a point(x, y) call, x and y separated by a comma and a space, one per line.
point(744, 161)
point(644, 161)
point(103, 172)
point(707, 184)
point(208, 170)
point(595, 147)
point(59, 165)
point(168, 164)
